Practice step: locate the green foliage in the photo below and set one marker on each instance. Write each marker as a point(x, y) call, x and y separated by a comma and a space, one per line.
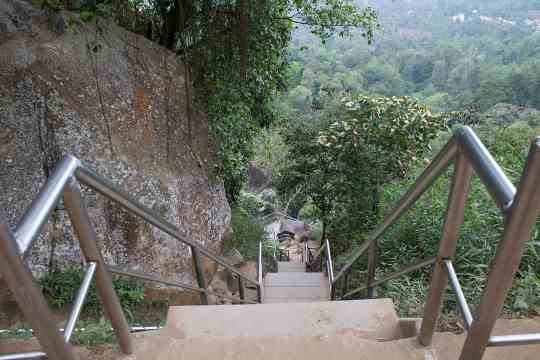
point(341, 158)
point(88, 16)
point(247, 231)
point(380, 136)
point(92, 333)
point(60, 288)
point(425, 54)
point(417, 235)
point(270, 149)
point(236, 57)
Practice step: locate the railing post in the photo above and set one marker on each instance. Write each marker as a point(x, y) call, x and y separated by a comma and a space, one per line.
point(241, 290)
point(372, 267)
point(29, 297)
point(199, 274)
point(345, 284)
point(457, 198)
point(260, 291)
point(74, 203)
point(518, 228)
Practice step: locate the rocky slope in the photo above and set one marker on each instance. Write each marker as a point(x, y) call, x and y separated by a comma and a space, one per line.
point(120, 103)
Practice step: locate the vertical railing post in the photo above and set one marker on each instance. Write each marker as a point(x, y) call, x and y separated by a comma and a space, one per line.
point(199, 273)
point(29, 297)
point(80, 220)
point(457, 197)
point(260, 291)
point(345, 284)
point(518, 228)
point(372, 268)
point(241, 290)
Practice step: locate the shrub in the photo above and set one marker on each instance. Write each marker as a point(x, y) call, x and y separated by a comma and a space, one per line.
point(247, 233)
point(60, 288)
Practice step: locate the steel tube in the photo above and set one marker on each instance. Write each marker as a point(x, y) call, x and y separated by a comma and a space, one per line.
point(147, 277)
point(37, 214)
point(29, 297)
point(80, 220)
point(493, 177)
point(462, 301)
point(345, 269)
point(440, 163)
point(241, 290)
point(103, 186)
point(457, 197)
point(354, 291)
point(26, 355)
point(330, 270)
point(260, 291)
point(330, 263)
point(199, 274)
point(318, 253)
point(79, 301)
point(521, 339)
point(518, 229)
point(345, 285)
point(405, 270)
point(371, 269)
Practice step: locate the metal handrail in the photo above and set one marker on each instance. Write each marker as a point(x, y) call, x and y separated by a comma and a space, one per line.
point(329, 264)
point(465, 140)
point(64, 182)
point(260, 289)
point(520, 209)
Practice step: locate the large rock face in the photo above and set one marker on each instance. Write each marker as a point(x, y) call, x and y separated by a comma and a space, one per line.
point(120, 103)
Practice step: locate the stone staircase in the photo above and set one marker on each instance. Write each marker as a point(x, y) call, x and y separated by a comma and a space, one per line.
point(297, 321)
point(292, 316)
point(295, 313)
point(292, 284)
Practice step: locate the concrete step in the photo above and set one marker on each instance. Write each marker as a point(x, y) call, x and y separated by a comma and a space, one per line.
point(289, 266)
point(296, 279)
point(368, 319)
point(446, 346)
point(274, 294)
point(287, 287)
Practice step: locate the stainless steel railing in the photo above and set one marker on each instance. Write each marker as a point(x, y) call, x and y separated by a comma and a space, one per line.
point(64, 183)
point(324, 257)
point(519, 207)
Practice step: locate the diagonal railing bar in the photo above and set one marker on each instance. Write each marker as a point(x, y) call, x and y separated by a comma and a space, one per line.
point(103, 186)
point(153, 278)
point(393, 275)
point(79, 301)
point(41, 207)
point(462, 301)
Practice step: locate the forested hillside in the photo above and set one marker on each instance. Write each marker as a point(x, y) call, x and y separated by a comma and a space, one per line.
point(447, 54)
point(361, 120)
